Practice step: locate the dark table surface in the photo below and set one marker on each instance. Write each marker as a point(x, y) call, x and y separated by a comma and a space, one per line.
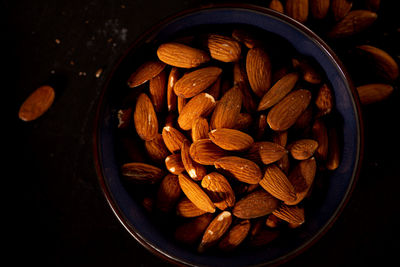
point(63, 218)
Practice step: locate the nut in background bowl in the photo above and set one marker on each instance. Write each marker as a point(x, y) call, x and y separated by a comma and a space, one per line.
point(331, 200)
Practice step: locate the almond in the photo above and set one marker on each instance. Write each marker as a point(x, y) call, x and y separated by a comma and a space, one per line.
point(308, 70)
point(242, 169)
point(324, 100)
point(215, 230)
point(243, 121)
point(340, 8)
point(215, 89)
point(157, 90)
point(240, 79)
point(231, 139)
point(303, 122)
point(272, 221)
point(196, 81)
point(200, 129)
point(319, 8)
point(245, 37)
point(145, 118)
point(291, 214)
point(276, 5)
point(174, 164)
point(191, 231)
point(227, 109)
point(256, 204)
point(380, 61)
point(173, 138)
point(278, 91)
point(195, 170)
point(261, 126)
point(181, 55)
point(37, 103)
point(195, 194)
point(263, 237)
point(145, 72)
point(168, 193)
point(297, 9)
point(205, 152)
point(333, 159)
point(186, 208)
point(372, 93)
point(284, 114)
point(223, 48)
point(303, 148)
point(141, 172)
point(156, 149)
point(320, 134)
point(199, 106)
point(280, 138)
point(265, 152)
point(235, 236)
point(354, 22)
point(173, 77)
point(181, 102)
point(302, 178)
point(258, 68)
point(219, 190)
point(277, 184)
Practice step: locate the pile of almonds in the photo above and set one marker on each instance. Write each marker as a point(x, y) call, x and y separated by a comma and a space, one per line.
point(232, 142)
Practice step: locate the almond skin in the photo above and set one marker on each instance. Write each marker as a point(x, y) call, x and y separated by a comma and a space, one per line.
point(173, 138)
point(173, 77)
point(199, 106)
point(291, 214)
point(340, 8)
point(319, 8)
point(141, 172)
point(174, 164)
point(195, 194)
point(196, 81)
point(320, 134)
point(354, 22)
point(227, 109)
point(278, 91)
point(258, 68)
point(223, 48)
point(277, 184)
point(157, 90)
point(145, 72)
point(303, 149)
point(302, 178)
point(156, 149)
point(200, 129)
point(215, 230)
point(145, 118)
point(186, 208)
point(297, 9)
point(284, 114)
point(276, 5)
point(235, 236)
point(324, 100)
point(181, 55)
point(381, 61)
point(219, 190)
point(373, 93)
point(195, 170)
point(37, 103)
point(231, 139)
point(266, 152)
point(205, 152)
point(256, 204)
point(242, 169)
point(168, 193)
point(191, 231)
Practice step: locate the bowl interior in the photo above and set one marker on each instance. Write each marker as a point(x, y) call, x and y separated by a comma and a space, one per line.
point(334, 192)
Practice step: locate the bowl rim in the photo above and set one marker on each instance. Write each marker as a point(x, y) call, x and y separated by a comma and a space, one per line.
point(149, 34)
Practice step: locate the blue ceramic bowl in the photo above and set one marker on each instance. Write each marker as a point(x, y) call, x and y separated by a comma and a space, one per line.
point(340, 184)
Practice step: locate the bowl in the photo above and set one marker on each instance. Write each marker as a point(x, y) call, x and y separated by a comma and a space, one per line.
point(339, 186)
